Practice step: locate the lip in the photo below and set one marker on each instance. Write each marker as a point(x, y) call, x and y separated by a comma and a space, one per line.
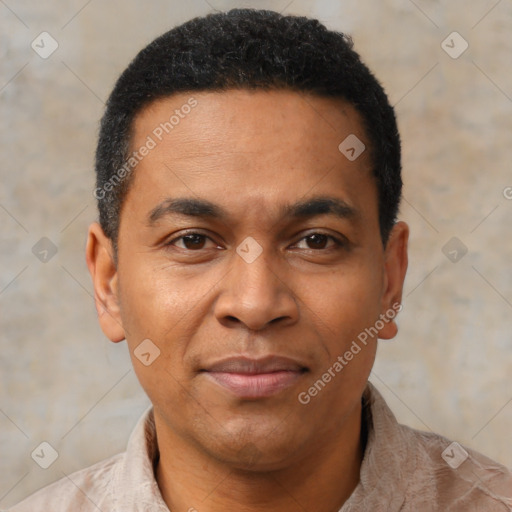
point(255, 378)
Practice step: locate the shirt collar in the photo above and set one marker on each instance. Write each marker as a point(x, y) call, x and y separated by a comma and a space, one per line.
point(135, 482)
point(387, 458)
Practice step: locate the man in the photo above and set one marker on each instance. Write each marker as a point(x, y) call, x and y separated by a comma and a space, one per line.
point(248, 182)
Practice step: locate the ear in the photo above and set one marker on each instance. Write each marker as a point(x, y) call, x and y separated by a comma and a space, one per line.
point(395, 267)
point(100, 261)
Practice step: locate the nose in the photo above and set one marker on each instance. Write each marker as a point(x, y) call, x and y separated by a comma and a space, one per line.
point(256, 294)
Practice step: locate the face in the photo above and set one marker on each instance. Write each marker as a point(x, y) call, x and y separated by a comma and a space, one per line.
point(249, 253)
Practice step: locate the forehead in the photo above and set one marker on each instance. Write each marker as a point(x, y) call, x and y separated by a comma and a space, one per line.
point(266, 147)
point(215, 114)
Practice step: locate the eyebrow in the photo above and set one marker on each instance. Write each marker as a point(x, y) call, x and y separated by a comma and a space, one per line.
point(308, 208)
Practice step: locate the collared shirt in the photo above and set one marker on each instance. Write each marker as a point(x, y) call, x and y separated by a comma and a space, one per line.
point(403, 469)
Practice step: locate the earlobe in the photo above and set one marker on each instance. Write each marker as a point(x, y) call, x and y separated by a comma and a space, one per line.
point(389, 331)
point(395, 268)
point(103, 270)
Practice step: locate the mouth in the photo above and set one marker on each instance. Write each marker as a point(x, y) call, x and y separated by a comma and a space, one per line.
point(255, 378)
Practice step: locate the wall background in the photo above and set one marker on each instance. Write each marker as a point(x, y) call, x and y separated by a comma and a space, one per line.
point(449, 368)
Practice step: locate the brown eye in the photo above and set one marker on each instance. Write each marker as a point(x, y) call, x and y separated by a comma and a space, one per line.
point(320, 241)
point(317, 241)
point(190, 241)
point(194, 241)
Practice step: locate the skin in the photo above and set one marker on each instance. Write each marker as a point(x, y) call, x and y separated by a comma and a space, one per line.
point(304, 298)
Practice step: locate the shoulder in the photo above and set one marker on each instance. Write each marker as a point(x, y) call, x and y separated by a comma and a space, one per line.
point(457, 477)
point(85, 490)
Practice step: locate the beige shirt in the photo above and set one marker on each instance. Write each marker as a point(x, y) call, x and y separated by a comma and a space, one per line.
point(403, 470)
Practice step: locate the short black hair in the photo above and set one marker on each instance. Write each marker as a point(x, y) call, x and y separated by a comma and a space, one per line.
point(246, 49)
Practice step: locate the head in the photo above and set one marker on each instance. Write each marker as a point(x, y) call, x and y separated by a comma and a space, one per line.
point(233, 224)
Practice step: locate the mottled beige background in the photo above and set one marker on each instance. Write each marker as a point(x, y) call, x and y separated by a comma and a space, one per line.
point(449, 369)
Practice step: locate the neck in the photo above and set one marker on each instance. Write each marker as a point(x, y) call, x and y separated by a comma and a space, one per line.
point(321, 478)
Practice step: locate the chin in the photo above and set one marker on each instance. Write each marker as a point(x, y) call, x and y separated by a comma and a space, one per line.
point(255, 450)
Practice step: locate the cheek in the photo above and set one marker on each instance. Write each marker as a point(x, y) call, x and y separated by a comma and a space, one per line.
point(346, 301)
point(154, 300)
point(159, 305)
point(344, 308)
point(149, 308)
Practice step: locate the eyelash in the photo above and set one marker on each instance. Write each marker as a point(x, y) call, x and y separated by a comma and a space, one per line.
point(339, 243)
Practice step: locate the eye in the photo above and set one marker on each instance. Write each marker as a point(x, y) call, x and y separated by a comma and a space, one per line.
point(190, 241)
point(318, 241)
point(194, 241)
